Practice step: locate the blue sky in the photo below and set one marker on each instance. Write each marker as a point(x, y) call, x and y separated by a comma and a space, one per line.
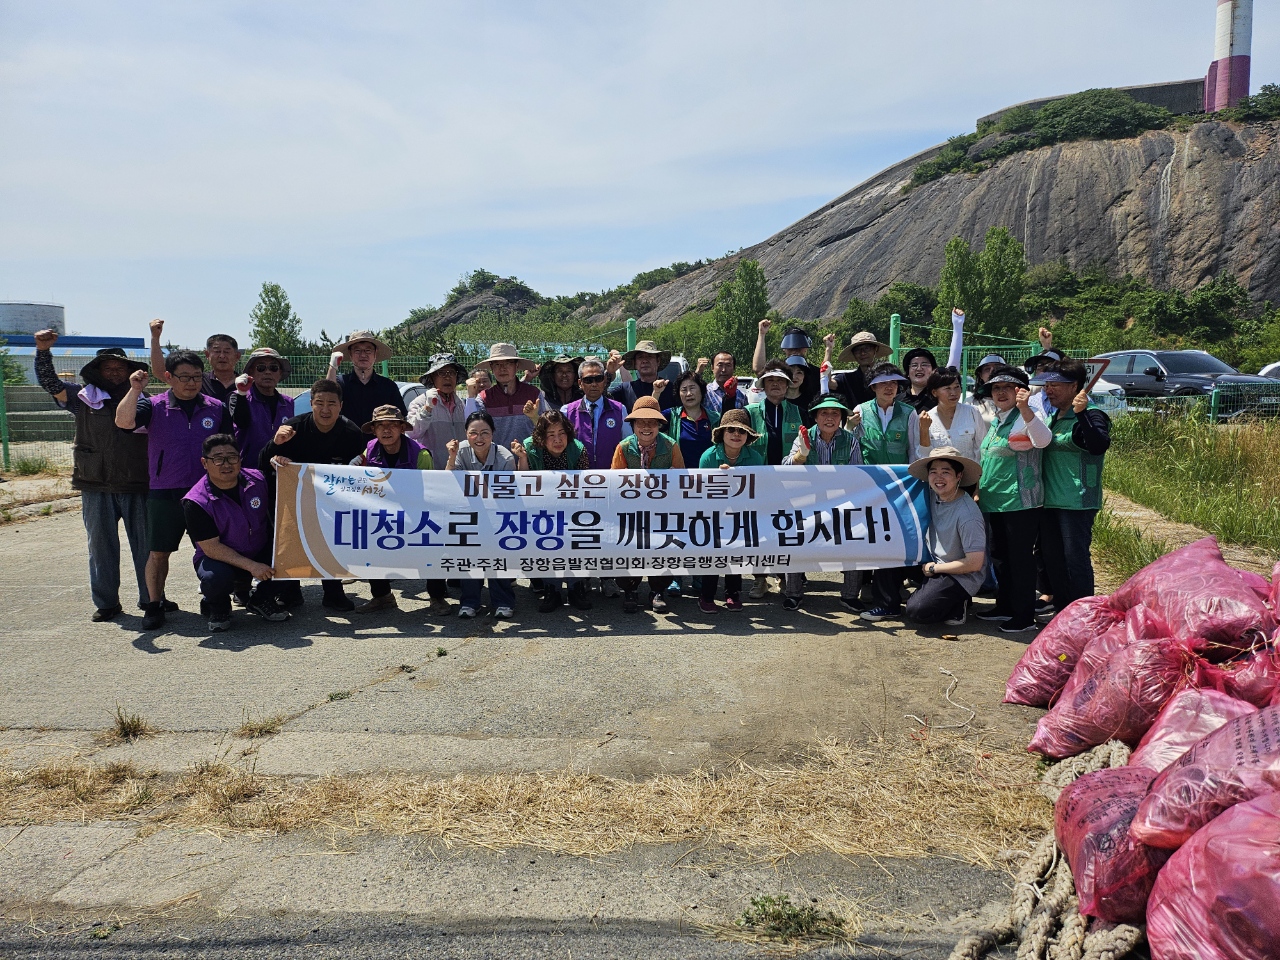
point(165, 159)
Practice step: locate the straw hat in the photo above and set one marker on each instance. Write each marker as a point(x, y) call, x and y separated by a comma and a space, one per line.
point(971, 474)
point(506, 351)
point(863, 339)
point(111, 353)
point(442, 361)
point(384, 352)
point(647, 408)
point(387, 413)
point(646, 346)
point(734, 418)
point(266, 353)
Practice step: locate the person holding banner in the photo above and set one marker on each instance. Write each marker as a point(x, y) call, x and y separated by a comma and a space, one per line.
point(322, 436)
point(598, 422)
point(479, 453)
point(439, 415)
point(363, 389)
point(1072, 479)
point(229, 519)
point(732, 441)
point(827, 442)
point(646, 449)
point(1011, 495)
point(957, 538)
point(777, 422)
point(257, 408)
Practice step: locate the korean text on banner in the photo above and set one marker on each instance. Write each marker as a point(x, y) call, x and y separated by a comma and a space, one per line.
point(337, 522)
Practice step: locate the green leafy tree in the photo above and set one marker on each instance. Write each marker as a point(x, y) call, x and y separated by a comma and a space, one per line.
point(1002, 265)
point(960, 284)
point(741, 304)
point(11, 371)
point(273, 323)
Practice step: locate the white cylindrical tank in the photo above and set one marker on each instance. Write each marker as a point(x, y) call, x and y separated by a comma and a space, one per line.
point(24, 316)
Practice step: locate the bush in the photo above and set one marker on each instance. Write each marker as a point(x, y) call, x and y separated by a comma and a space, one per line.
point(1263, 105)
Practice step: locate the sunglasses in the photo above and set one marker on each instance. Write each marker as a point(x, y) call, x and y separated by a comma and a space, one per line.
point(741, 430)
point(596, 379)
point(267, 368)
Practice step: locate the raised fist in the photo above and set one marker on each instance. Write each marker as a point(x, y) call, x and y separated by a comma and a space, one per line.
point(703, 363)
point(958, 314)
point(138, 379)
point(243, 382)
point(1022, 398)
point(829, 340)
point(1046, 338)
point(765, 324)
point(157, 328)
point(531, 410)
point(1080, 401)
point(855, 417)
point(926, 421)
point(659, 386)
point(336, 358)
point(283, 435)
point(614, 362)
point(804, 440)
point(452, 448)
point(45, 339)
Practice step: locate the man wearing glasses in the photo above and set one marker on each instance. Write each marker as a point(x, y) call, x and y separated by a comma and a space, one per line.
point(257, 407)
point(599, 423)
point(228, 515)
point(177, 423)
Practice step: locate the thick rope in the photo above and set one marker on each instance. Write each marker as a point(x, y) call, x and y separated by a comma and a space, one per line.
point(1044, 901)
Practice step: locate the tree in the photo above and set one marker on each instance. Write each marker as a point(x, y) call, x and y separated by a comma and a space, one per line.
point(11, 372)
point(741, 304)
point(275, 324)
point(960, 284)
point(1003, 265)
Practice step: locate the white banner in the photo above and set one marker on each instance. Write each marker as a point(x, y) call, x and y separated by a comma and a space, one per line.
point(336, 522)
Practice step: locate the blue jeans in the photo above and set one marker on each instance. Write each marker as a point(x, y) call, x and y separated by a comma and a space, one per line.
point(219, 579)
point(501, 593)
point(1065, 539)
point(102, 514)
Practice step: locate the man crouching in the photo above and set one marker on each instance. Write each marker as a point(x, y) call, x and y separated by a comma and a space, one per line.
point(229, 520)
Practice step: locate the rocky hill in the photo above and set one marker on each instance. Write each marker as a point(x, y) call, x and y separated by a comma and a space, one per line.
point(1173, 207)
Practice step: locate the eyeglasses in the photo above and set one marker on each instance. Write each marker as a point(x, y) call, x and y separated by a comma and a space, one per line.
point(595, 379)
point(265, 368)
point(188, 378)
point(227, 460)
point(735, 430)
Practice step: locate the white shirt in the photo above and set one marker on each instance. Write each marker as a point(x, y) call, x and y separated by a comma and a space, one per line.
point(966, 433)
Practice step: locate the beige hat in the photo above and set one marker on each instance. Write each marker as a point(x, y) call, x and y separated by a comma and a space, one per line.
point(384, 352)
point(646, 346)
point(387, 413)
point(861, 339)
point(734, 418)
point(506, 351)
point(647, 408)
point(266, 353)
point(972, 472)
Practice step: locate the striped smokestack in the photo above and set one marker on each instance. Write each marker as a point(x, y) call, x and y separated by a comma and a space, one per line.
point(1228, 78)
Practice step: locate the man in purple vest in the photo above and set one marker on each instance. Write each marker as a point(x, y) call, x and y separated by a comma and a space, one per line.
point(257, 407)
point(599, 423)
point(177, 424)
point(229, 518)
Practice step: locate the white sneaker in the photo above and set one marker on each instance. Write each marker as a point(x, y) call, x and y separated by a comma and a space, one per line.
point(466, 613)
point(504, 613)
point(760, 589)
point(609, 587)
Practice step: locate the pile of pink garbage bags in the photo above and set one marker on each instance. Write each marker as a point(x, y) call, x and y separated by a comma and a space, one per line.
point(1180, 663)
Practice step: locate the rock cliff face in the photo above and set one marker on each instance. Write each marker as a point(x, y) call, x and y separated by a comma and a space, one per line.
point(1176, 208)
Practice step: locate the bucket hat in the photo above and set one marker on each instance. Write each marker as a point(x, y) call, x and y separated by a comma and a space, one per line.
point(971, 474)
point(266, 353)
point(387, 413)
point(646, 346)
point(442, 361)
point(384, 352)
point(111, 353)
point(734, 418)
point(506, 351)
point(861, 339)
point(647, 408)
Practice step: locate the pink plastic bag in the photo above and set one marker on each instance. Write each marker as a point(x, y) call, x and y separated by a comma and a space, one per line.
point(1218, 898)
point(1119, 700)
point(1138, 624)
point(1200, 597)
point(1047, 665)
point(1185, 720)
point(1237, 762)
point(1254, 678)
point(1114, 873)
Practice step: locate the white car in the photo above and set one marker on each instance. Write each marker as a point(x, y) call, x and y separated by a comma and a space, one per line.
point(1271, 370)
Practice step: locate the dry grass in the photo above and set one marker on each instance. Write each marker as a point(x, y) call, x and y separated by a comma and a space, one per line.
point(126, 727)
point(253, 729)
point(944, 797)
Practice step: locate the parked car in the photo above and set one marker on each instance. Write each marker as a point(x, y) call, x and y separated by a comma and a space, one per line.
point(1192, 373)
point(1271, 371)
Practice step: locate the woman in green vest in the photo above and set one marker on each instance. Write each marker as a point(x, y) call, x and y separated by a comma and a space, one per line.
point(778, 422)
point(554, 447)
point(826, 443)
point(1011, 494)
point(1072, 479)
point(732, 447)
point(887, 423)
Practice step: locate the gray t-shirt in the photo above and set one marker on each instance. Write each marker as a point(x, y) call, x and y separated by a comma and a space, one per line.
point(498, 458)
point(957, 528)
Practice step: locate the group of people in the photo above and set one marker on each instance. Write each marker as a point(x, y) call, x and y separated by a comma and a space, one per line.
point(1014, 476)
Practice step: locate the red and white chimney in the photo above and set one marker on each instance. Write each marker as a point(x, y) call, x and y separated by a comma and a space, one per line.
point(1228, 78)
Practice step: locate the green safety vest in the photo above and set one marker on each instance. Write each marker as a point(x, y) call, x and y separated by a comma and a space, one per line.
point(841, 447)
point(792, 424)
point(573, 453)
point(1011, 479)
point(661, 456)
point(1072, 475)
point(881, 445)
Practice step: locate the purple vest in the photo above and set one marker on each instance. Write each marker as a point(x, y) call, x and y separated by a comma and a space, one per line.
point(410, 450)
point(262, 426)
point(600, 446)
point(174, 443)
point(245, 527)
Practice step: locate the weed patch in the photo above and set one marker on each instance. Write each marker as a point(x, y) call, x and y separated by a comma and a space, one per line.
point(127, 727)
point(777, 918)
point(340, 695)
point(31, 466)
point(1121, 547)
point(252, 729)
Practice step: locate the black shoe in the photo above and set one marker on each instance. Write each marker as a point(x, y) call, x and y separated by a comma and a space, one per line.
point(339, 602)
point(154, 616)
point(103, 614)
point(994, 616)
point(959, 615)
point(241, 598)
point(630, 602)
point(290, 598)
point(791, 603)
point(579, 597)
point(1012, 627)
point(169, 606)
point(551, 601)
point(853, 606)
point(268, 608)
